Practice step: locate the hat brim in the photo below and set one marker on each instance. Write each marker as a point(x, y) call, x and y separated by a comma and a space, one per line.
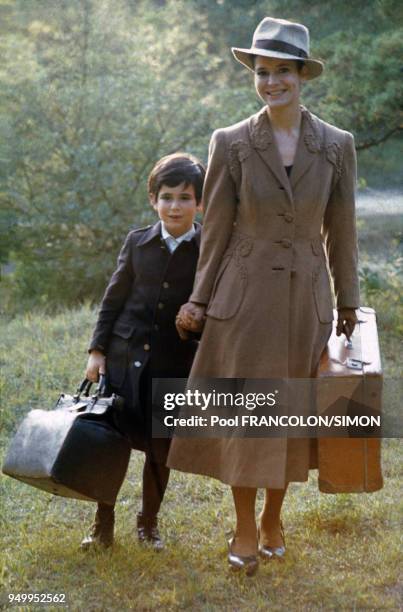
point(314, 68)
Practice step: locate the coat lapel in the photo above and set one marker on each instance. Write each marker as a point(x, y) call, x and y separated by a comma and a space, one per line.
point(309, 144)
point(262, 139)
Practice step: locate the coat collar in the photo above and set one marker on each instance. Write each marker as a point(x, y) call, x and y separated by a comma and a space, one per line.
point(263, 140)
point(154, 233)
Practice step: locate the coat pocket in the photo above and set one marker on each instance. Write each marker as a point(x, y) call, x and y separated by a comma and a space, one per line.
point(322, 294)
point(123, 329)
point(229, 289)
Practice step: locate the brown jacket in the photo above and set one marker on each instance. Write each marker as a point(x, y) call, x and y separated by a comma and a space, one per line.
point(267, 242)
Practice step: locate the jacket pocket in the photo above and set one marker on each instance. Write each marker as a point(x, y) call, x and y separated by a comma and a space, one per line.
point(322, 294)
point(123, 329)
point(229, 289)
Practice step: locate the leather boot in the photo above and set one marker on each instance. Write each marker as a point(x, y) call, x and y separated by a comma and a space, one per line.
point(147, 531)
point(102, 529)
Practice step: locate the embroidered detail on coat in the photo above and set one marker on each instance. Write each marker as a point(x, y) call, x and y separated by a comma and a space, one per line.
point(242, 148)
point(334, 155)
point(239, 151)
point(260, 132)
point(240, 246)
point(312, 138)
point(245, 247)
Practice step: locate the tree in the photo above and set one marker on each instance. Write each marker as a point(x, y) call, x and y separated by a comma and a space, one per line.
point(93, 92)
point(95, 109)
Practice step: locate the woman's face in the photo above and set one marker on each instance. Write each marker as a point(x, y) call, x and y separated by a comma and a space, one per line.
point(278, 81)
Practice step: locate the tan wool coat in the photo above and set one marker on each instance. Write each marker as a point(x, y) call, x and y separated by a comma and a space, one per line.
point(268, 241)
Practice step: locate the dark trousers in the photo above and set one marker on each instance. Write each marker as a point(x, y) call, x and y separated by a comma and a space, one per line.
point(137, 426)
point(155, 481)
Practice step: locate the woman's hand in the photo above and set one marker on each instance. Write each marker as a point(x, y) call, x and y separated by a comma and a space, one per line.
point(95, 366)
point(346, 321)
point(191, 317)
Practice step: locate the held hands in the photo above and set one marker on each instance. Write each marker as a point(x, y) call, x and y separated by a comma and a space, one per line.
point(95, 366)
point(347, 320)
point(190, 318)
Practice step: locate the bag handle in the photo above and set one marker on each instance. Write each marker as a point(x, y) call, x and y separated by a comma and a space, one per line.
point(101, 385)
point(85, 386)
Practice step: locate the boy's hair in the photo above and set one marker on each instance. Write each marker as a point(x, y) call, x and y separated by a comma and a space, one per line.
point(174, 169)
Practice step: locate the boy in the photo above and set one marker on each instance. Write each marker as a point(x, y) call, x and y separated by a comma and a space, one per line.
point(135, 338)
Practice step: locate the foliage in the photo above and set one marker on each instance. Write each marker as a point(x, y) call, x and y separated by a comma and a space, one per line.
point(92, 111)
point(381, 274)
point(94, 92)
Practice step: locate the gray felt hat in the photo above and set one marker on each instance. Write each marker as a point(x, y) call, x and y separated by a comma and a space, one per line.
point(279, 38)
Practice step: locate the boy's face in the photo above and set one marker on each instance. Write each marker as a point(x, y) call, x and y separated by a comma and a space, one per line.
point(176, 207)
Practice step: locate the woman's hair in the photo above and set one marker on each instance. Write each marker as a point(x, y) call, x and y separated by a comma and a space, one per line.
point(174, 169)
point(300, 63)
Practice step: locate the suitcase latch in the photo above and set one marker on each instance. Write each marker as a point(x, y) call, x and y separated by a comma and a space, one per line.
point(354, 364)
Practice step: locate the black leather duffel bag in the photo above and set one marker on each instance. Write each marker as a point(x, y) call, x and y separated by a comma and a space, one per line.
point(73, 450)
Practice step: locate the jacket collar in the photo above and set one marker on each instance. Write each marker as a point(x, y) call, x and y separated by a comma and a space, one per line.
point(154, 233)
point(263, 140)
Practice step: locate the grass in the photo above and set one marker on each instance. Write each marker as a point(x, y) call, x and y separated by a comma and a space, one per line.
point(343, 551)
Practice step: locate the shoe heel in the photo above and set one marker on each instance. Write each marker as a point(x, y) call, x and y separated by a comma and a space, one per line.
point(242, 563)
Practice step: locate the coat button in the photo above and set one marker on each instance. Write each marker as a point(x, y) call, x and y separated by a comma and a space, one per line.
point(165, 284)
point(137, 364)
point(160, 305)
point(286, 243)
point(147, 347)
point(289, 217)
point(156, 327)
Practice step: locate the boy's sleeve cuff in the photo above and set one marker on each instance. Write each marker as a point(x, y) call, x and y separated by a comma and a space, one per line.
point(96, 347)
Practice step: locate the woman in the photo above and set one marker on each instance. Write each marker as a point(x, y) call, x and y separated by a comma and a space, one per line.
point(279, 206)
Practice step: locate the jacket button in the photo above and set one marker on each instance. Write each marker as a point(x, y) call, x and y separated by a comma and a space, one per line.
point(160, 305)
point(288, 217)
point(165, 284)
point(137, 364)
point(147, 347)
point(286, 243)
point(156, 327)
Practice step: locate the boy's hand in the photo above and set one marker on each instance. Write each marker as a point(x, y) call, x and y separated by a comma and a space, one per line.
point(191, 317)
point(95, 366)
point(346, 322)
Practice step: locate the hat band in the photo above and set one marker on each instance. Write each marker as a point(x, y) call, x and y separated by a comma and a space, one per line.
point(279, 45)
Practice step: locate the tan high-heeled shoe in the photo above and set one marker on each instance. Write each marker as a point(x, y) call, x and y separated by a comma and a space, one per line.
point(247, 563)
point(269, 553)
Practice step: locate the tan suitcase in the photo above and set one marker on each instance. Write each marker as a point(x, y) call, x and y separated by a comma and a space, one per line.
point(351, 371)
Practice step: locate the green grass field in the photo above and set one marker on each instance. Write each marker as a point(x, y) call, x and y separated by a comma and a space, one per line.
point(343, 551)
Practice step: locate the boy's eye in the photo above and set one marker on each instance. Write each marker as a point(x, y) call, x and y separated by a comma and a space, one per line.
point(261, 73)
point(284, 69)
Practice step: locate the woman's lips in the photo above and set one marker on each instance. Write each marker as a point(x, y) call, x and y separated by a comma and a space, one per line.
point(275, 94)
